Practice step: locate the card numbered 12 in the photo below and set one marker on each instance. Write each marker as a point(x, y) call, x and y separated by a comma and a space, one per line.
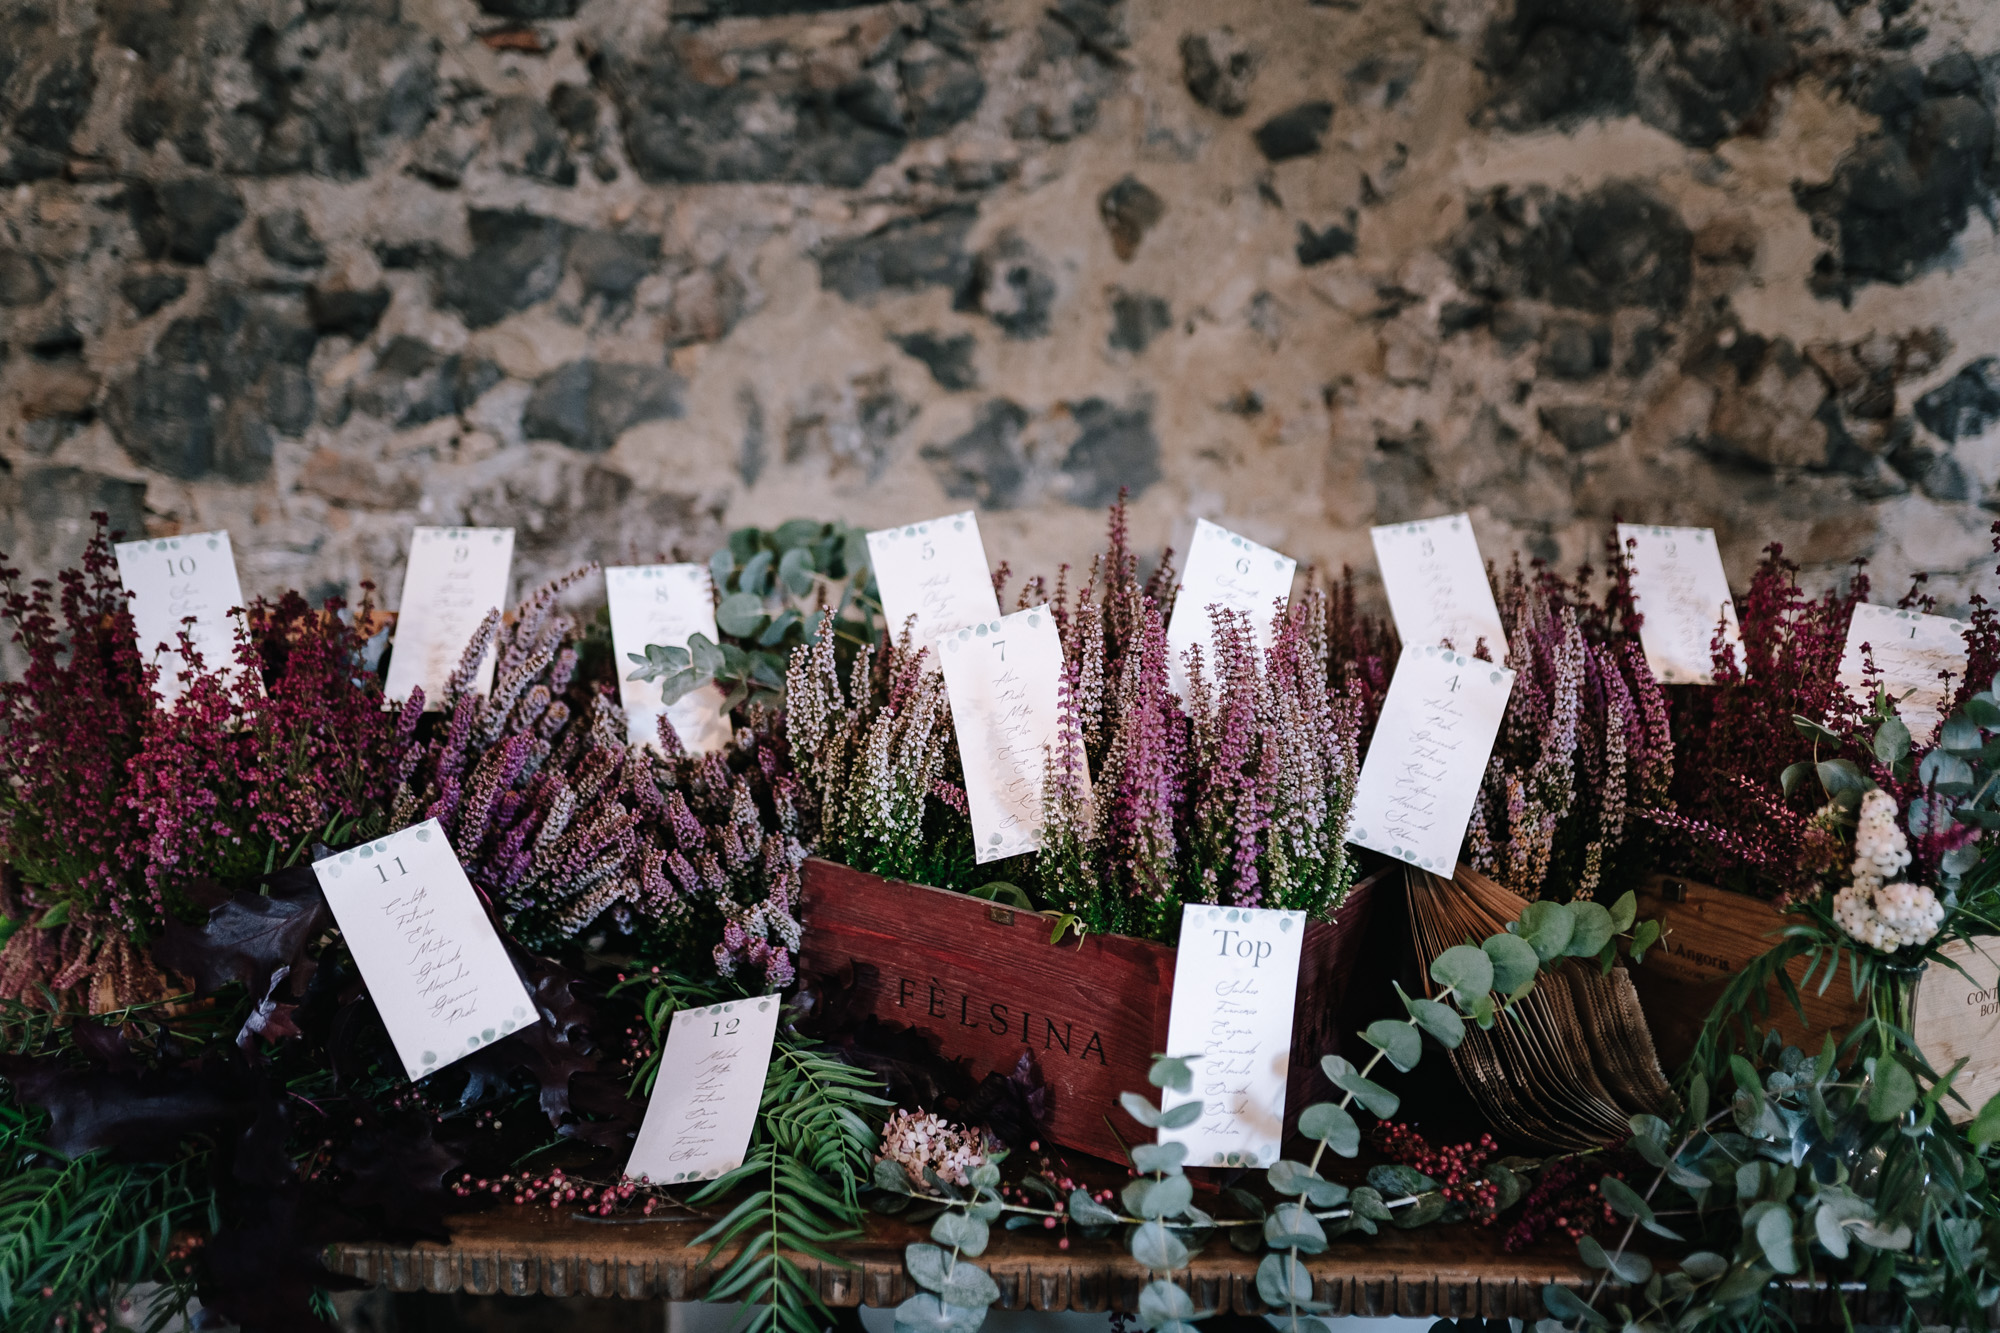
point(438, 973)
point(174, 581)
point(936, 572)
point(1421, 776)
point(704, 1103)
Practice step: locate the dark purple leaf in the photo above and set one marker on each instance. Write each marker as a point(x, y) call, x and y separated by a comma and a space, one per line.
point(135, 1115)
point(249, 937)
point(397, 1175)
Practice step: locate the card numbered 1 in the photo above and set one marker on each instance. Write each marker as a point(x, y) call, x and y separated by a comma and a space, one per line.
point(434, 965)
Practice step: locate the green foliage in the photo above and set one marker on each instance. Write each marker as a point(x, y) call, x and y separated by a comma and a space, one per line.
point(83, 1231)
point(773, 584)
point(813, 1151)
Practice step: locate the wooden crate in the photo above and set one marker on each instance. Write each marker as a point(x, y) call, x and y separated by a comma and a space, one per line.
point(1960, 1018)
point(1708, 935)
point(985, 983)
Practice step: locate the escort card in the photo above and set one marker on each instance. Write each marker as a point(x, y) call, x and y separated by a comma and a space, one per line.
point(704, 1103)
point(172, 580)
point(1913, 652)
point(1004, 679)
point(1236, 975)
point(454, 577)
point(666, 605)
point(1437, 586)
point(438, 973)
point(1231, 571)
point(1421, 775)
point(1681, 591)
point(935, 571)
point(1958, 1017)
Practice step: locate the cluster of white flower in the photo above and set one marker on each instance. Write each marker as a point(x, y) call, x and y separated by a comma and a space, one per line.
point(919, 1139)
point(1874, 911)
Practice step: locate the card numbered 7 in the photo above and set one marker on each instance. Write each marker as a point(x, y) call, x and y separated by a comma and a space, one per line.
point(1004, 678)
point(704, 1104)
point(183, 583)
point(432, 961)
point(936, 572)
point(1683, 597)
point(1421, 776)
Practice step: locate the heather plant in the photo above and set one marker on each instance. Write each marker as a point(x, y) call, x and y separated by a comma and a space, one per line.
point(1238, 794)
point(566, 828)
point(1583, 745)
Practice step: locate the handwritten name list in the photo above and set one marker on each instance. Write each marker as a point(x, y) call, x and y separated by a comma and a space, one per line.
point(436, 969)
point(1437, 585)
point(1682, 593)
point(1232, 572)
point(1919, 659)
point(454, 577)
point(667, 605)
point(1422, 771)
point(174, 580)
point(704, 1105)
point(1236, 977)
point(935, 571)
point(1004, 678)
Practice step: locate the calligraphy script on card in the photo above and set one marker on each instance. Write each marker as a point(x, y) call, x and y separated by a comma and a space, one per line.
point(436, 969)
point(454, 578)
point(1683, 596)
point(704, 1102)
point(1231, 572)
point(666, 605)
point(1421, 776)
point(174, 581)
point(1004, 678)
point(1918, 659)
point(1437, 585)
point(936, 572)
point(1236, 979)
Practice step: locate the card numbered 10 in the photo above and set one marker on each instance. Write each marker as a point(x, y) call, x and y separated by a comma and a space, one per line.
point(438, 973)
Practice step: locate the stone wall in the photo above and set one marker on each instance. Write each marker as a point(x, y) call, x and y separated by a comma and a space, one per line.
point(622, 274)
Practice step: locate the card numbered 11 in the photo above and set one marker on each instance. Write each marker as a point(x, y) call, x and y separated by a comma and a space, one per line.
point(181, 583)
point(435, 967)
point(704, 1102)
point(1420, 779)
point(936, 572)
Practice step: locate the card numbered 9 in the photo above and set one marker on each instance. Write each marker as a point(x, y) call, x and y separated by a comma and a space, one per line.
point(434, 965)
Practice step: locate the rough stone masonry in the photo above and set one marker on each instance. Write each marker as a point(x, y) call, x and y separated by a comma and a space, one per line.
point(621, 275)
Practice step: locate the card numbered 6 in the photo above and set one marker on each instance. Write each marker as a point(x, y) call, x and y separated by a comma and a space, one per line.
point(438, 973)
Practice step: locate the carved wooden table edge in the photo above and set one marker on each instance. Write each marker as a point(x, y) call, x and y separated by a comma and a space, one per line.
point(1409, 1274)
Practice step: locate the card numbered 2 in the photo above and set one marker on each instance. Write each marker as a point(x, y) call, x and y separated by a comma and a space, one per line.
point(438, 973)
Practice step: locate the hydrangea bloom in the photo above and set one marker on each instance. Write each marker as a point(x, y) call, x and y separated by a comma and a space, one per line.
point(918, 1139)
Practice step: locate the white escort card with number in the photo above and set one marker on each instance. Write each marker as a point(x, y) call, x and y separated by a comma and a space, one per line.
point(1421, 776)
point(704, 1103)
point(935, 571)
point(1004, 679)
point(666, 605)
point(172, 579)
point(454, 577)
point(1682, 593)
point(1225, 570)
point(436, 969)
point(1236, 976)
point(1913, 652)
point(1437, 585)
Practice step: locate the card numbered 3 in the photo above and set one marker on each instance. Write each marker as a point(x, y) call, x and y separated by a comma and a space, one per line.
point(438, 973)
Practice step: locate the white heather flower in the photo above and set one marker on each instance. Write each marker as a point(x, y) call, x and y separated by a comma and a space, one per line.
point(1889, 917)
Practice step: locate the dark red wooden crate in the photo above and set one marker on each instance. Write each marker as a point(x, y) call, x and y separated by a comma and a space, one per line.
point(984, 981)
